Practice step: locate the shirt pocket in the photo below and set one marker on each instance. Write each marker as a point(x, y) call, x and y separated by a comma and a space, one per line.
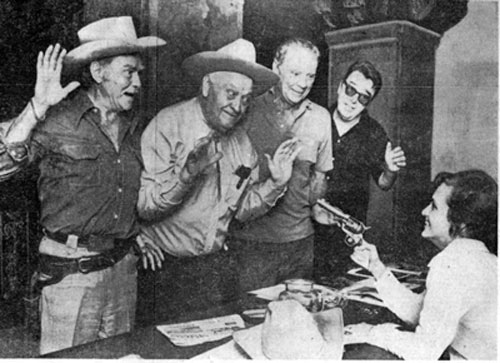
point(83, 164)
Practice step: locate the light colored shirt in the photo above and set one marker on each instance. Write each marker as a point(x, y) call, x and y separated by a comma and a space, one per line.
point(457, 309)
point(269, 122)
point(191, 220)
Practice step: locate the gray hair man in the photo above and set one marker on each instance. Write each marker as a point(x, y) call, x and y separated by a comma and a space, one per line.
point(88, 151)
point(200, 173)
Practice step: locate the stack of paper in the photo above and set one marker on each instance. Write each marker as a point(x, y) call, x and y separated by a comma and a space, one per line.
point(202, 331)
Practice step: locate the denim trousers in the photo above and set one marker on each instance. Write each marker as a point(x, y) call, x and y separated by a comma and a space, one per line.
point(85, 307)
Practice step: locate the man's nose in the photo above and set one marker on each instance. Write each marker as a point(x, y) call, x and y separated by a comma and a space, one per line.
point(425, 211)
point(302, 82)
point(136, 80)
point(236, 104)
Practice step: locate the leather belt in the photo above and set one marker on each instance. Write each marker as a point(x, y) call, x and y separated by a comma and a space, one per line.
point(54, 265)
point(91, 242)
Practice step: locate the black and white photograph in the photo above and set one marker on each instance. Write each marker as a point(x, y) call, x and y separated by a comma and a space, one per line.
point(249, 179)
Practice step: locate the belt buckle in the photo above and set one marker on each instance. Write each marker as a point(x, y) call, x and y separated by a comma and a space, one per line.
point(81, 265)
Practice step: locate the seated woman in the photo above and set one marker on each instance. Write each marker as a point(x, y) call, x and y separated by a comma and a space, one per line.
point(459, 305)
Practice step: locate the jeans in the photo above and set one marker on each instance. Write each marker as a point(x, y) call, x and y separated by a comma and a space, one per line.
point(85, 307)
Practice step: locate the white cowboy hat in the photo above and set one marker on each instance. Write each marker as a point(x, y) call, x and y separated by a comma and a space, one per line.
point(238, 56)
point(109, 37)
point(291, 332)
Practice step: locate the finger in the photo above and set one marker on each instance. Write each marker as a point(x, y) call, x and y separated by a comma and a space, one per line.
point(54, 57)
point(46, 58)
point(202, 143)
point(295, 153)
point(39, 62)
point(397, 149)
point(388, 147)
point(213, 159)
point(144, 262)
point(71, 87)
point(59, 61)
point(151, 260)
point(399, 154)
point(285, 145)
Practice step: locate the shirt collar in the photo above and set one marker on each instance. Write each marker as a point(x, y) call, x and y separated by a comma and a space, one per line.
point(204, 129)
point(299, 109)
point(81, 104)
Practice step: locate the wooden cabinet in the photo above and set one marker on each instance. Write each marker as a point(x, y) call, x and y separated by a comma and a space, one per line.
point(404, 53)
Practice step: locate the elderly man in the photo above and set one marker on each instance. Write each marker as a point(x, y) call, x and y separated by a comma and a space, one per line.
point(279, 245)
point(360, 148)
point(199, 172)
point(88, 149)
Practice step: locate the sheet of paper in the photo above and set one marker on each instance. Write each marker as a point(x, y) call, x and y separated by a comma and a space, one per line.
point(229, 350)
point(202, 331)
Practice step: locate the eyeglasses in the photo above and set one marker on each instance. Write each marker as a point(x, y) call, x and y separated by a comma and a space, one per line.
point(351, 91)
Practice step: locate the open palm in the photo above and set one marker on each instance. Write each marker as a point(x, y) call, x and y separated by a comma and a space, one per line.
point(48, 89)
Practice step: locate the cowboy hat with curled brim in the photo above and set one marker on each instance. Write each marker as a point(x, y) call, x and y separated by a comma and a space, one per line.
point(238, 56)
point(291, 332)
point(107, 38)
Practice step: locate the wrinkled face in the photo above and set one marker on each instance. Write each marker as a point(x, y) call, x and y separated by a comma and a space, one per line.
point(350, 91)
point(227, 96)
point(437, 226)
point(297, 73)
point(119, 81)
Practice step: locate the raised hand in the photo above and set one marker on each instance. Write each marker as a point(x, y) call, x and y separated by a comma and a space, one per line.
point(395, 159)
point(199, 159)
point(280, 166)
point(48, 89)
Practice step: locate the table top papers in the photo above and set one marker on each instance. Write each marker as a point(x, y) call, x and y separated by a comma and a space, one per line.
point(202, 331)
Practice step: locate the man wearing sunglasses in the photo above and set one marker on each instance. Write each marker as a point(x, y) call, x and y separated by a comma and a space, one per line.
point(360, 148)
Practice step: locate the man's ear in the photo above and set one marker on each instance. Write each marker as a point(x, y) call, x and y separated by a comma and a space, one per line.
point(96, 70)
point(205, 86)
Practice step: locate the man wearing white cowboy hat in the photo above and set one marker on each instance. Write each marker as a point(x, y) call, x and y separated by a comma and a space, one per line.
point(199, 170)
point(88, 150)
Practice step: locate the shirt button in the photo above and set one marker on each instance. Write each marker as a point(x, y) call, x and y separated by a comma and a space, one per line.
point(120, 190)
point(338, 141)
point(118, 161)
point(115, 216)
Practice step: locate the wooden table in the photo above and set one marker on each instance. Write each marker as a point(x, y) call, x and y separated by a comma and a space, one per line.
point(149, 343)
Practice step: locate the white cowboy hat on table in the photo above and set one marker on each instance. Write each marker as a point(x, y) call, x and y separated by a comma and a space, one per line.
point(109, 37)
point(238, 56)
point(291, 332)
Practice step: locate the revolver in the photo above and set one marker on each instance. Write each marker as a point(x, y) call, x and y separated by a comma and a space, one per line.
point(352, 227)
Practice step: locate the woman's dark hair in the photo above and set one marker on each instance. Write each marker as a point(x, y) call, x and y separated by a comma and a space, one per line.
point(472, 205)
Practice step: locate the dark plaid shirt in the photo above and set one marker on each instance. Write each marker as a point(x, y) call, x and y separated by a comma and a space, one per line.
point(357, 154)
point(85, 187)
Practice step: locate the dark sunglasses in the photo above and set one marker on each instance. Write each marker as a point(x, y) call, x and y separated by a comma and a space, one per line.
point(351, 91)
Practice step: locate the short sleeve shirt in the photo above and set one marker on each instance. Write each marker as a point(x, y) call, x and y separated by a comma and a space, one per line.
point(268, 125)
